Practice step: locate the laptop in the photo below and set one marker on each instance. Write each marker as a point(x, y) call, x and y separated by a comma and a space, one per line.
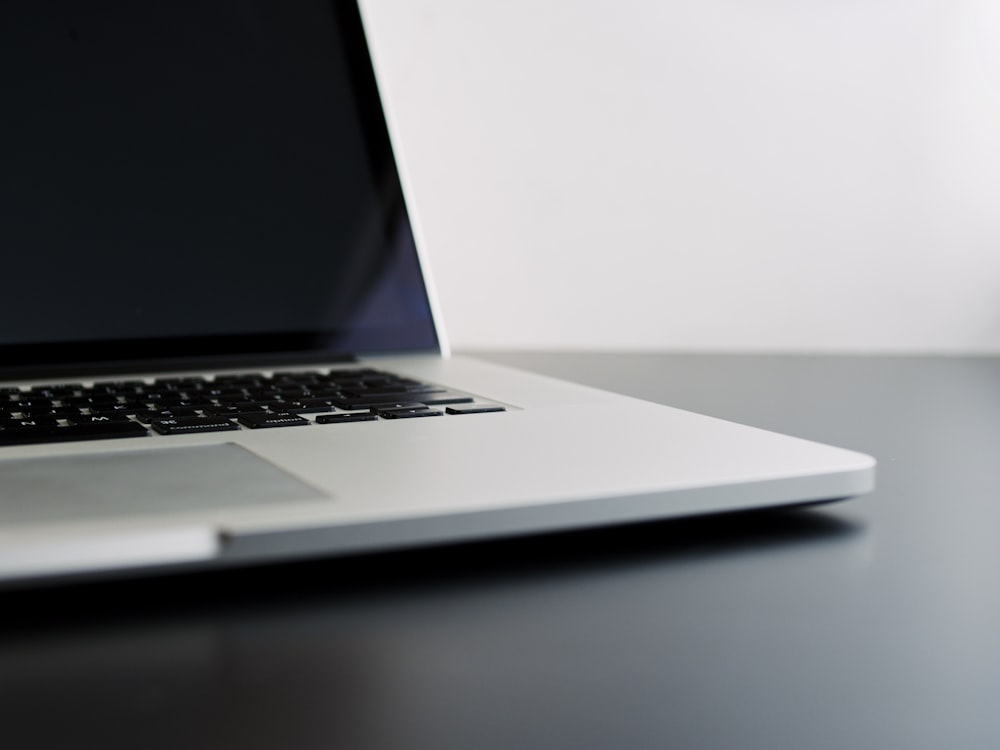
point(220, 344)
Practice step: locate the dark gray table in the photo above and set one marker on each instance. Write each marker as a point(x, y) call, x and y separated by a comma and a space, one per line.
point(873, 623)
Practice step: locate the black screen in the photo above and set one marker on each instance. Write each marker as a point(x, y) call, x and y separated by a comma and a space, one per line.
point(197, 178)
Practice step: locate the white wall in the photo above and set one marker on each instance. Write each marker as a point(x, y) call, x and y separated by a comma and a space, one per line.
point(704, 174)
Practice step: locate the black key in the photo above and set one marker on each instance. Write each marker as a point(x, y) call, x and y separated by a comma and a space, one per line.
point(394, 388)
point(326, 392)
point(118, 408)
point(133, 405)
point(170, 402)
point(279, 419)
point(24, 404)
point(182, 381)
point(23, 435)
point(82, 402)
point(408, 413)
point(250, 405)
point(104, 398)
point(359, 404)
point(273, 404)
point(106, 384)
point(200, 404)
point(299, 407)
point(187, 411)
point(124, 391)
point(313, 401)
point(474, 409)
point(54, 391)
point(343, 384)
point(16, 414)
point(296, 377)
point(445, 398)
point(59, 412)
point(350, 405)
point(233, 412)
point(262, 394)
point(290, 391)
point(161, 391)
point(155, 415)
point(241, 377)
point(376, 396)
point(181, 425)
point(351, 374)
point(362, 416)
point(230, 396)
point(98, 418)
point(34, 422)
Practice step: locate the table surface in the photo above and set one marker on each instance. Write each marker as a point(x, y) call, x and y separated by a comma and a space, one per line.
point(873, 623)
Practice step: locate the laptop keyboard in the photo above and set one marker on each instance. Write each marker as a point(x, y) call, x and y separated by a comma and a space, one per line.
point(253, 401)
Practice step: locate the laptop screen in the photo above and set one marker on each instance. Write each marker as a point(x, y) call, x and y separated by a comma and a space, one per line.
point(198, 178)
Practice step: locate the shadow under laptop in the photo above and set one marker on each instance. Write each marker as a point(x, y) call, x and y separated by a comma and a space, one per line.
point(667, 546)
point(418, 649)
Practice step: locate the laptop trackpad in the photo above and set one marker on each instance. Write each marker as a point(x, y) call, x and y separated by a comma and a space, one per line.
point(95, 486)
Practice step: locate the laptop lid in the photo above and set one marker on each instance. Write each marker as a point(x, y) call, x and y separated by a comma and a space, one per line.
point(194, 184)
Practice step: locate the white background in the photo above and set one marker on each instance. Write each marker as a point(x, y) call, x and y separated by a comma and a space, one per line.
point(792, 175)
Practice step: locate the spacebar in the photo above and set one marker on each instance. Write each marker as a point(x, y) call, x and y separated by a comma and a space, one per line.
point(45, 434)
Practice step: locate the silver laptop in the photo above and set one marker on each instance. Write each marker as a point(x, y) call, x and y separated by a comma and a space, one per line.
point(220, 344)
